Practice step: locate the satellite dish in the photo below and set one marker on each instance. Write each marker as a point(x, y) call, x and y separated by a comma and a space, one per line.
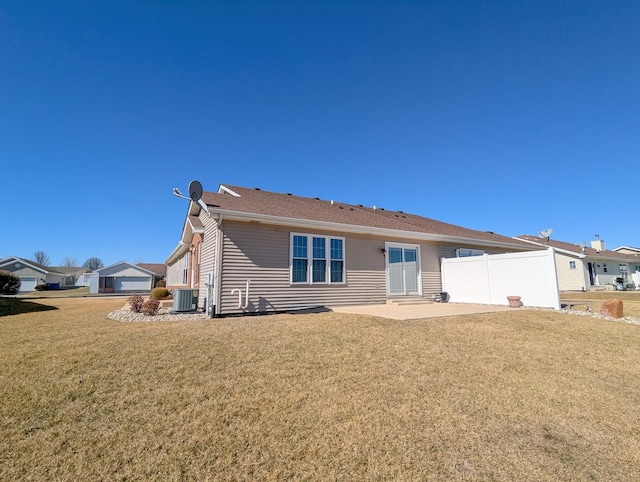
point(546, 233)
point(195, 191)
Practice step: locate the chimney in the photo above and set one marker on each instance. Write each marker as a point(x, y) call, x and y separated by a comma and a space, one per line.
point(598, 244)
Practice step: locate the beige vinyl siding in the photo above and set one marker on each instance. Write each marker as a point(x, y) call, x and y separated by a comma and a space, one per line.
point(207, 257)
point(571, 279)
point(175, 273)
point(260, 253)
point(24, 271)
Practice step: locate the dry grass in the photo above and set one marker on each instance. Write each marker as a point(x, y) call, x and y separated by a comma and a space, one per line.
point(59, 293)
point(519, 395)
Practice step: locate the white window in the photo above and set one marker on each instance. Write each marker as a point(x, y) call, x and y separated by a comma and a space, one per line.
point(185, 269)
point(623, 270)
point(464, 252)
point(316, 259)
point(572, 265)
point(604, 268)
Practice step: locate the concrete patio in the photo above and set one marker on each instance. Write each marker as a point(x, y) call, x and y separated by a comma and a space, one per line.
point(418, 311)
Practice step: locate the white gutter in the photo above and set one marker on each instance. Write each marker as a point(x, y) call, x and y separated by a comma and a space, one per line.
point(564, 251)
point(352, 228)
point(177, 252)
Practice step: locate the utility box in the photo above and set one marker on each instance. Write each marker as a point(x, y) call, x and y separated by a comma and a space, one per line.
point(185, 300)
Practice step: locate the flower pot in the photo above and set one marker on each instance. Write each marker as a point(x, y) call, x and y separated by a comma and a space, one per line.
point(514, 301)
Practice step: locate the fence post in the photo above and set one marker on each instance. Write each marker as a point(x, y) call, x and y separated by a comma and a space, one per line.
point(485, 256)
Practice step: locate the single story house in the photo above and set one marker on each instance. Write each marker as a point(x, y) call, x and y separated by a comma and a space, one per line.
point(250, 251)
point(124, 277)
point(582, 267)
point(32, 274)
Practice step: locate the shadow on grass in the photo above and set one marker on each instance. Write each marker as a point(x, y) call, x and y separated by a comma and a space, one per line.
point(14, 306)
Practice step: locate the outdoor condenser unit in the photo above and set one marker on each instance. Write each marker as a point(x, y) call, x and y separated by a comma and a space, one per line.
point(185, 300)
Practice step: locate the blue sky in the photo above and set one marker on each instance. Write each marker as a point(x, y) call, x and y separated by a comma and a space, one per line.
point(504, 116)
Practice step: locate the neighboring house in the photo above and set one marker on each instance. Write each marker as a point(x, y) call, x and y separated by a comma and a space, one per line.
point(627, 250)
point(32, 274)
point(71, 275)
point(249, 251)
point(123, 277)
point(581, 268)
point(158, 269)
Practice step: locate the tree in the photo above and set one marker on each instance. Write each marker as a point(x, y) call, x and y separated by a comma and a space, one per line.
point(93, 264)
point(9, 283)
point(70, 262)
point(42, 258)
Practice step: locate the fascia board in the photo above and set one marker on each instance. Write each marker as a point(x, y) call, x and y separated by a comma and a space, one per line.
point(637, 250)
point(352, 228)
point(194, 229)
point(177, 253)
point(571, 253)
point(611, 258)
point(7, 261)
point(129, 265)
point(224, 189)
point(187, 235)
point(560, 250)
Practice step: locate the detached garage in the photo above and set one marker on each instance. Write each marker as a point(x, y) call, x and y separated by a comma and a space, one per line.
point(124, 278)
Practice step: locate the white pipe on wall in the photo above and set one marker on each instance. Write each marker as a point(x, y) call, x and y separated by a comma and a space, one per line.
point(246, 298)
point(242, 305)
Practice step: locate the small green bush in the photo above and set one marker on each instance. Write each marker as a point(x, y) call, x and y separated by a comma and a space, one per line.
point(9, 283)
point(161, 284)
point(42, 287)
point(150, 307)
point(136, 302)
point(159, 293)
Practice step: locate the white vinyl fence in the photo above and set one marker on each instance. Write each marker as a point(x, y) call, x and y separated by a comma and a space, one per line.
point(489, 279)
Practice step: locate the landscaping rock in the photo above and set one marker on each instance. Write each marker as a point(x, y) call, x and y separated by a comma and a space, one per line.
point(612, 308)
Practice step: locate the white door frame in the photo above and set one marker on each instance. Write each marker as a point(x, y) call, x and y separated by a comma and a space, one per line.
point(405, 270)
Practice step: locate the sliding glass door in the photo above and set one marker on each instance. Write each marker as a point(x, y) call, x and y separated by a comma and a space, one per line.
point(403, 270)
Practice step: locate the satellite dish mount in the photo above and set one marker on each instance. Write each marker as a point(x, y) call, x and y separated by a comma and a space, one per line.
point(546, 234)
point(195, 195)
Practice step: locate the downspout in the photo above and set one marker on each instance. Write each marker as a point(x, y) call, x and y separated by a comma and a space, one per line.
point(192, 264)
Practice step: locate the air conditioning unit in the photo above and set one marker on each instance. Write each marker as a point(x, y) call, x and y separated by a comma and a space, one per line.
point(185, 300)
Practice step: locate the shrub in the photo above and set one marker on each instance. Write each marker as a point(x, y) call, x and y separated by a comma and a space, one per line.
point(161, 284)
point(150, 307)
point(136, 302)
point(9, 283)
point(159, 293)
point(42, 287)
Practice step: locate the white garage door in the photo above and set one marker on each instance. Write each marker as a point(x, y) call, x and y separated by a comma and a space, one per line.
point(133, 283)
point(28, 283)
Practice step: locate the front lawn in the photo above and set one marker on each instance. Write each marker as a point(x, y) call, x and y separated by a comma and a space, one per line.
point(518, 395)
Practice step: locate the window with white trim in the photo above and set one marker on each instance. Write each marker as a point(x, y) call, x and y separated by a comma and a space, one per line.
point(604, 267)
point(316, 259)
point(623, 270)
point(185, 269)
point(572, 265)
point(464, 252)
